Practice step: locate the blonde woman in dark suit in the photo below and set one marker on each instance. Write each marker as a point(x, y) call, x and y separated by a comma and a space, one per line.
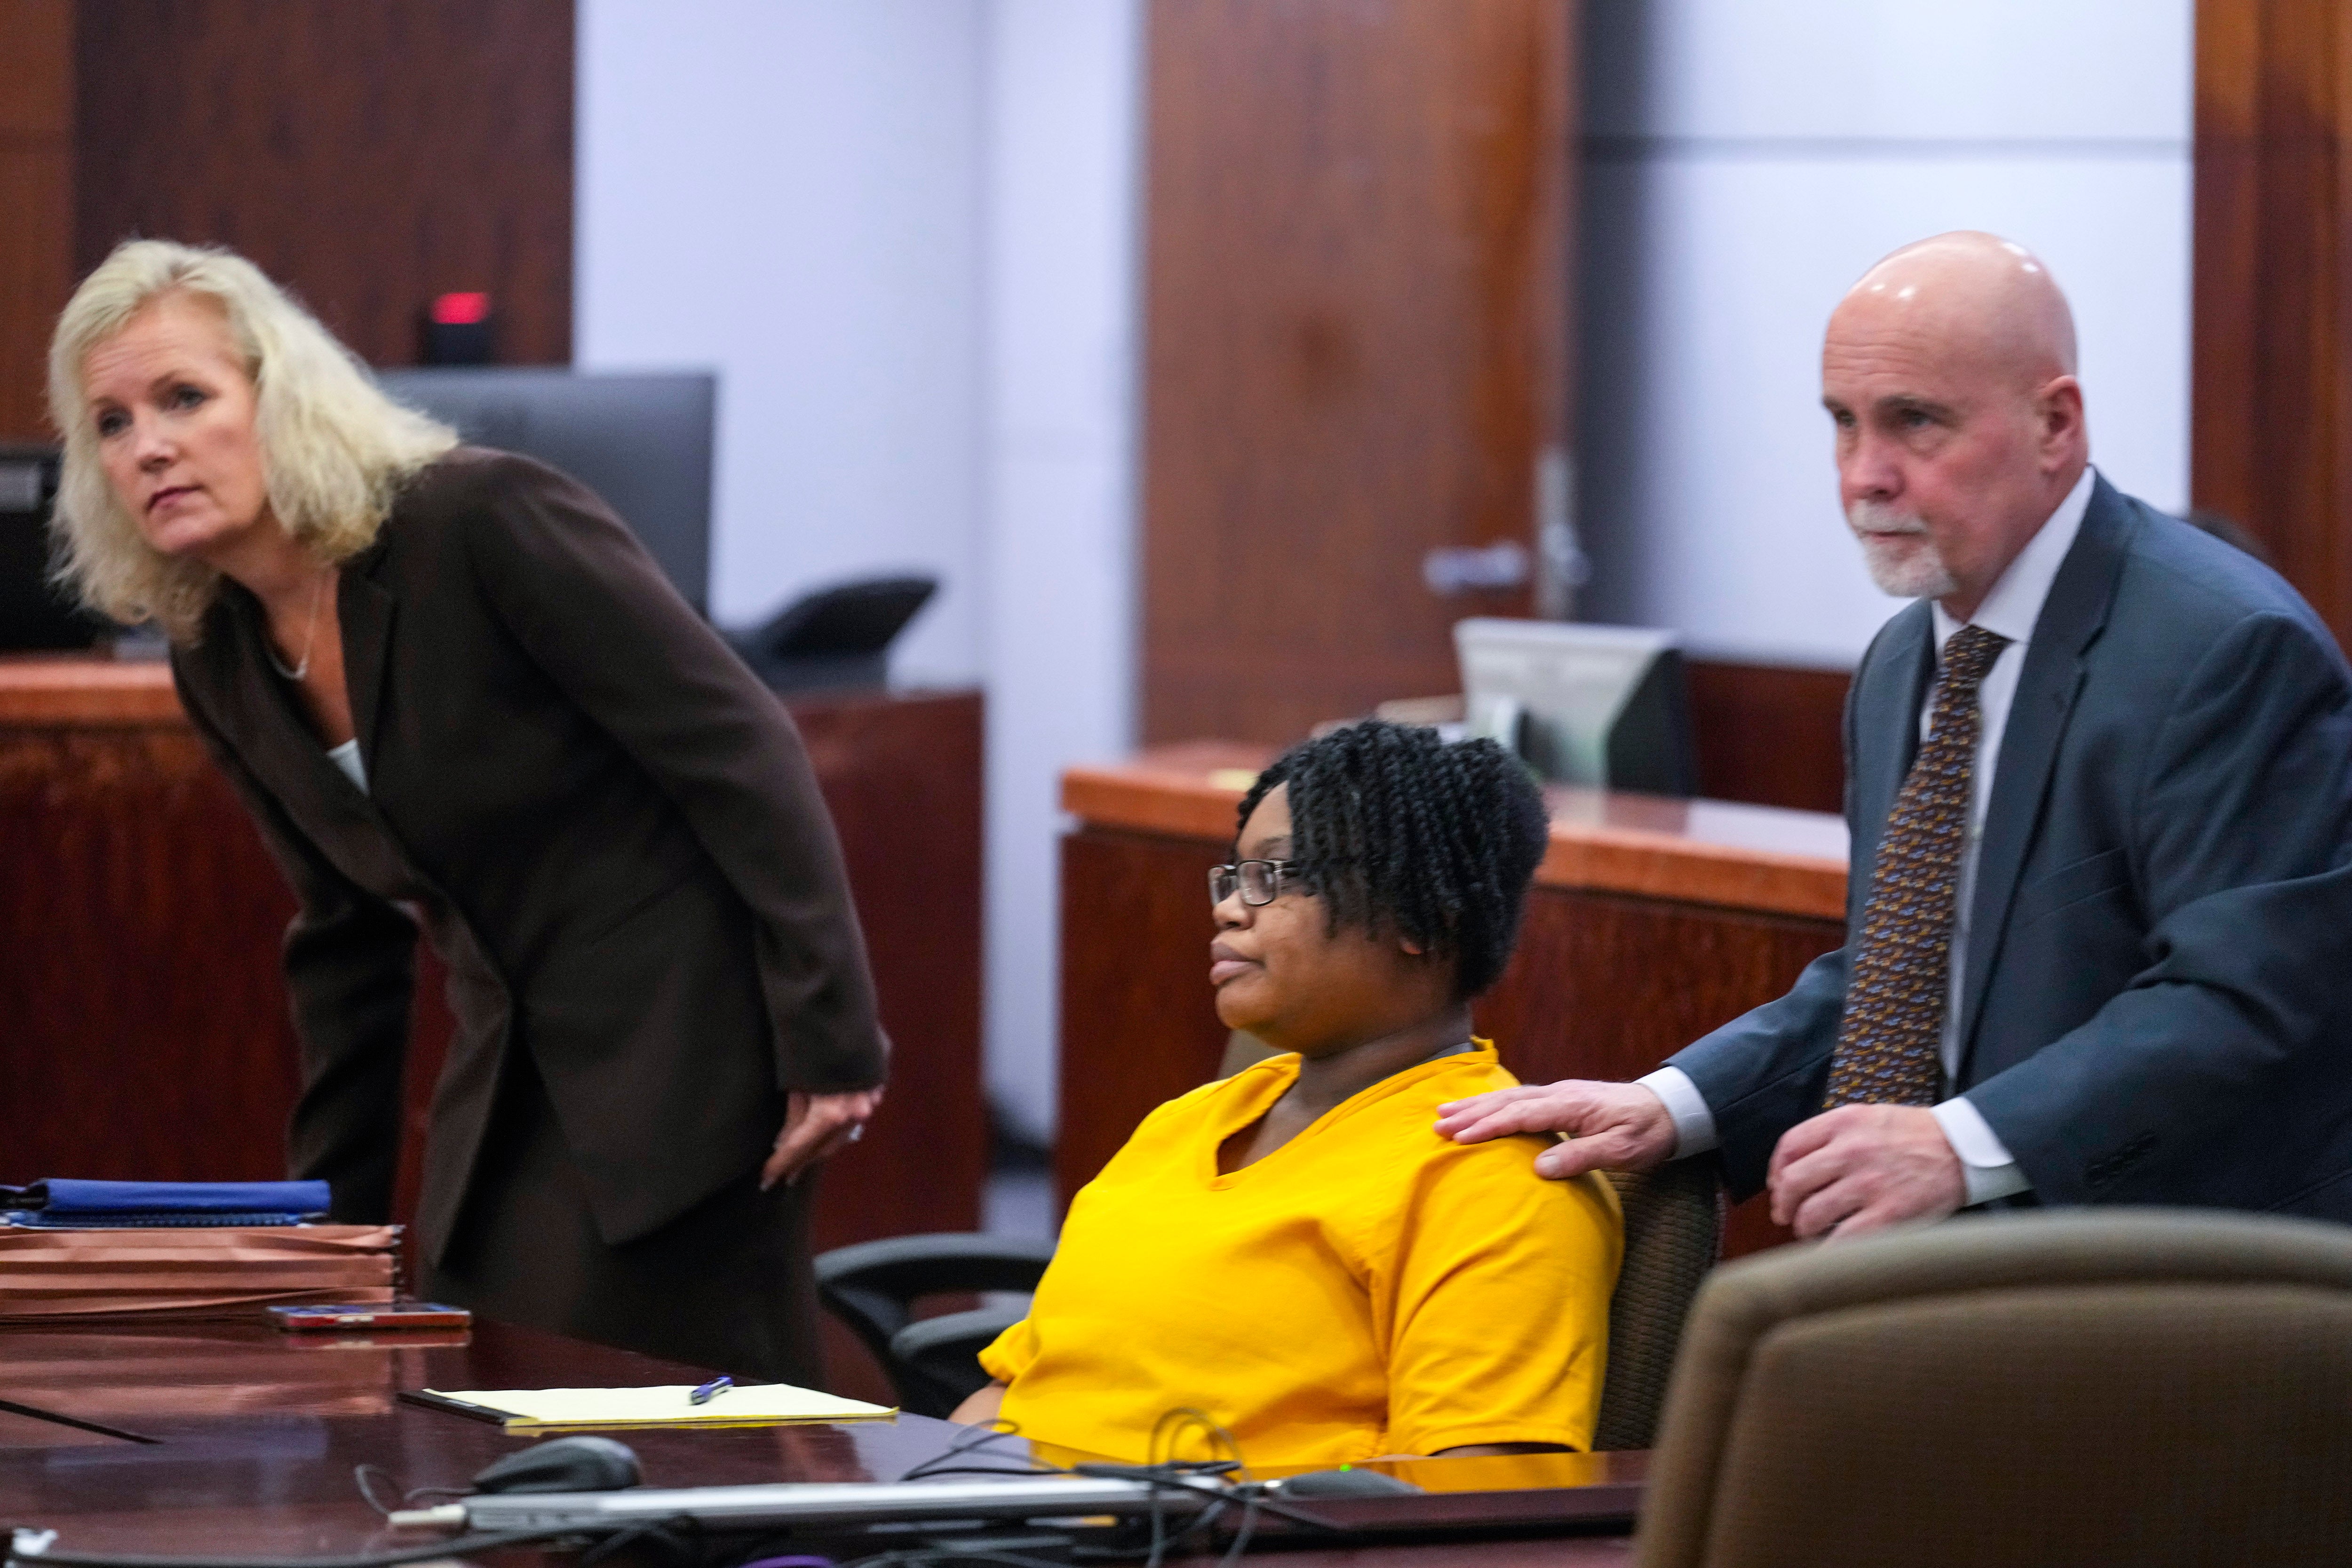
point(446, 681)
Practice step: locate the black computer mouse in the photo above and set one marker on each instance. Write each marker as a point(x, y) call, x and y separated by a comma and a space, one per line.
point(563, 1464)
point(1344, 1483)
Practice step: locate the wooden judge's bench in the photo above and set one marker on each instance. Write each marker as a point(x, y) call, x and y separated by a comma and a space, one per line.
point(1651, 921)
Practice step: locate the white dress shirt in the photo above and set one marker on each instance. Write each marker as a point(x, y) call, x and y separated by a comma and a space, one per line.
point(2010, 610)
point(347, 757)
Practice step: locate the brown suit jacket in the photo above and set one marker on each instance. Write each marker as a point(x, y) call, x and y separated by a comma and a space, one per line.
point(606, 825)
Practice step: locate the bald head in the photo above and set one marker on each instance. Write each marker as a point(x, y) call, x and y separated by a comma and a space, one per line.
point(1950, 372)
point(1977, 298)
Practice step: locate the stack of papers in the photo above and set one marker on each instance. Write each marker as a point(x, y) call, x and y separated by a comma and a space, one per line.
point(57, 1276)
point(550, 1409)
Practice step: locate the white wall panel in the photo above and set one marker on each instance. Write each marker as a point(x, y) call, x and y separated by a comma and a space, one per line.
point(1757, 172)
point(789, 191)
point(1064, 111)
point(1881, 69)
point(902, 231)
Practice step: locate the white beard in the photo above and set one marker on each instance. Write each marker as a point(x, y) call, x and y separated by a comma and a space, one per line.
point(1899, 552)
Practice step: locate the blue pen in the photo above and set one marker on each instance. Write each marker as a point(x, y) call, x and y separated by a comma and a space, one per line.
point(710, 1391)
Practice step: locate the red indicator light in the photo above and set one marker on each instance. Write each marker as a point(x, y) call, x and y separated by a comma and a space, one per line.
point(461, 310)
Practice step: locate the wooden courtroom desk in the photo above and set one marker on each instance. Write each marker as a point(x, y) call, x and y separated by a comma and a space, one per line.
point(144, 1022)
point(1651, 921)
point(250, 1438)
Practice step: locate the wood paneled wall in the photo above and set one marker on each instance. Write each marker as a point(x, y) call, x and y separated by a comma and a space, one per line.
point(1771, 734)
point(1355, 305)
point(37, 181)
point(2273, 359)
point(144, 1024)
point(369, 155)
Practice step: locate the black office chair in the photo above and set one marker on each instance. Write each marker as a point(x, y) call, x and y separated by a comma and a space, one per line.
point(933, 1362)
point(1674, 1233)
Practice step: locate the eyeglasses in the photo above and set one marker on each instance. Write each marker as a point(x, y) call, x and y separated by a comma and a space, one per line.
point(1260, 881)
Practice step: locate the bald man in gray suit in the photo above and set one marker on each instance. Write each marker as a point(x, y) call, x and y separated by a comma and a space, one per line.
point(2099, 780)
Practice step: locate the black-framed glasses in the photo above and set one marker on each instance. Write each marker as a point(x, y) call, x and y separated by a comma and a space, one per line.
point(1260, 881)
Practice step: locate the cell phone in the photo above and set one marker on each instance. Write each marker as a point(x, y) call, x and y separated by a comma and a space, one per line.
point(316, 1318)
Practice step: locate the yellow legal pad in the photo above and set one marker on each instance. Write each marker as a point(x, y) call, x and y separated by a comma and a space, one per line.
point(554, 1409)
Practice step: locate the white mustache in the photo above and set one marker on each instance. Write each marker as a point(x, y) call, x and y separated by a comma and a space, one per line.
point(1877, 517)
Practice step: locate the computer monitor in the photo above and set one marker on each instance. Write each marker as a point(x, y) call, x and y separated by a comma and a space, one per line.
point(1605, 706)
point(640, 441)
point(34, 615)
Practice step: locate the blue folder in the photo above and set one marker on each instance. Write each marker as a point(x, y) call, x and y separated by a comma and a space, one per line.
point(58, 1203)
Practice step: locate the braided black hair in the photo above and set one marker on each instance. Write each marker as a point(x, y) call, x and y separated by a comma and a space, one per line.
point(1395, 829)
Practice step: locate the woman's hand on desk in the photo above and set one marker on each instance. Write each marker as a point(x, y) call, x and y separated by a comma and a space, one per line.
point(816, 1127)
point(1610, 1126)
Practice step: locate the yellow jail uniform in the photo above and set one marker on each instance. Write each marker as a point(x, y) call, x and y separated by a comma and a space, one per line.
point(1368, 1288)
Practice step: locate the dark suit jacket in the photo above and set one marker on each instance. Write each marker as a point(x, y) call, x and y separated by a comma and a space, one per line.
point(609, 829)
point(2159, 951)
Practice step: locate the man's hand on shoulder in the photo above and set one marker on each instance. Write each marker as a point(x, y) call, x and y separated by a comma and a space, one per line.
point(1610, 1126)
point(1862, 1168)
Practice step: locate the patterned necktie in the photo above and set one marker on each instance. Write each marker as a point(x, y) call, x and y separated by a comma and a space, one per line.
point(1889, 1046)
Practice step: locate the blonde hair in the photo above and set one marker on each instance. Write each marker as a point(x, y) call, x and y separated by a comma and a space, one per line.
point(334, 449)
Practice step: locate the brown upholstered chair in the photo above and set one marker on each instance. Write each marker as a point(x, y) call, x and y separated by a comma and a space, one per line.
point(1674, 1234)
point(2148, 1387)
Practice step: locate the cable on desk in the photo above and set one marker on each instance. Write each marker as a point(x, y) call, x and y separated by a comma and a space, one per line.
point(1164, 1472)
point(975, 1439)
point(1163, 1476)
point(1199, 1478)
point(665, 1533)
point(365, 1478)
point(1251, 1503)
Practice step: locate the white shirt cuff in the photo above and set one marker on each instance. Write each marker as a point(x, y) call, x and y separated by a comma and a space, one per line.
point(1693, 1122)
point(1985, 1161)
